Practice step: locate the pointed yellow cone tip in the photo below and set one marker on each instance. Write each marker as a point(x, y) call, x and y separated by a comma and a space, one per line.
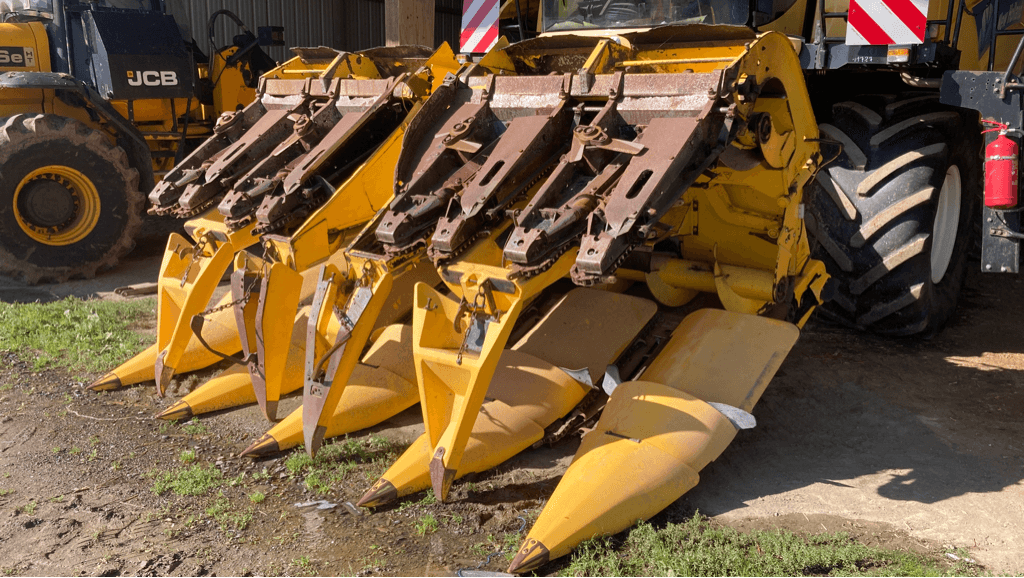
point(264, 446)
point(107, 382)
point(381, 493)
point(180, 410)
point(531, 556)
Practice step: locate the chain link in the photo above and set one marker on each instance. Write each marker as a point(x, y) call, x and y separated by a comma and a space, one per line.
point(246, 292)
point(197, 251)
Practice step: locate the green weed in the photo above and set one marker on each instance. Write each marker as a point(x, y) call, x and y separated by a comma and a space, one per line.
point(195, 427)
point(257, 497)
point(30, 508)
point(226, 518)
point(696, 548)
point(193, 481)
point(335, 461)
point(187, 456)
point(305, 564)
point(427, 524)
point(37, 332)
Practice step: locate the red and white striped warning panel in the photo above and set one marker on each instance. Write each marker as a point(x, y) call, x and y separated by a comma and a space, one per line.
point(887, 21)
point(479, 25)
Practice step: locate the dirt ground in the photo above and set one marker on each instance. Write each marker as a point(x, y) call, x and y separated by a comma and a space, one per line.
point(903, 443)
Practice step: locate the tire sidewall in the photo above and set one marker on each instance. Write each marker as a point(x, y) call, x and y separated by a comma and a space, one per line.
point(936, 301)
point(71, 150)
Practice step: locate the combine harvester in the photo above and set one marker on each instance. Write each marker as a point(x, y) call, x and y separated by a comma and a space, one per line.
point(567, 158)
point(662, 157)
point(518, 172)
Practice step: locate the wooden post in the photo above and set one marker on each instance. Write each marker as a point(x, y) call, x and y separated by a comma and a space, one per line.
point(409, 22)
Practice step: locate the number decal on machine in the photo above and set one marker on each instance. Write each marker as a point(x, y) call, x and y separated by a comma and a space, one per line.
point(22, 56)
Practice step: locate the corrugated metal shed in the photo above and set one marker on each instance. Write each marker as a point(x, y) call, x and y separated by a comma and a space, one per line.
point(343, 24)
point(306, 22)
point(361, 25)
point(448, 23)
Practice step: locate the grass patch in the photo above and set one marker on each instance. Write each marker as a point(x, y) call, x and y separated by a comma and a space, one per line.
point(227, 518)
point(195, 428)
point(40, 332)
point(427, 524)
point(696, 548)
point(193, 481)
point(304, 564)
point(334, 461)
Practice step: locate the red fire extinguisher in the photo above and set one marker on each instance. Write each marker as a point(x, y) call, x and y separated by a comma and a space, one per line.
point(1001, 178)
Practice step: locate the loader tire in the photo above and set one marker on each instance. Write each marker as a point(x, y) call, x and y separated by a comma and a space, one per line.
point(69, 200)
point(892, 217)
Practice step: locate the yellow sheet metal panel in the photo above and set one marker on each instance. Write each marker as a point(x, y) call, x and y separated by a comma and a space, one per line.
point(723, 357)
point(588, 328)
point(26, 48)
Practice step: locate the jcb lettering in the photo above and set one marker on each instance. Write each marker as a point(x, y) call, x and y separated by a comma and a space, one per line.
point(152, 78)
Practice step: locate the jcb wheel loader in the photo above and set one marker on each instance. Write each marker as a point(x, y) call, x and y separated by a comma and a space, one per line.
point(97, 101)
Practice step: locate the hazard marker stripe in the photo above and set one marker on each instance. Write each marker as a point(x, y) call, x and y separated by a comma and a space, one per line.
point(868, 29)
point(479, 25)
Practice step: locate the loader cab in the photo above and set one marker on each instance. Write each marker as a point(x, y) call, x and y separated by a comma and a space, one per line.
point(123, 49)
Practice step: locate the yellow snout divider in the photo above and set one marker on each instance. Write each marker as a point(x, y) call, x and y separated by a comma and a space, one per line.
point(657, 433)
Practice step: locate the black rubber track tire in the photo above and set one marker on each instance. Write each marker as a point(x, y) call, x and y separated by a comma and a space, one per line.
point(871, 213)
point(31, 141)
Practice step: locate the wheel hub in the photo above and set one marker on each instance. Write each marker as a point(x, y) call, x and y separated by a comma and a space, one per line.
point(947, 219)
point(56, 205)
point(48, 202)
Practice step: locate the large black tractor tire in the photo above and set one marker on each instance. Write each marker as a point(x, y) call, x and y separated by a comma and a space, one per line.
point(892, 217)
point(69, 199)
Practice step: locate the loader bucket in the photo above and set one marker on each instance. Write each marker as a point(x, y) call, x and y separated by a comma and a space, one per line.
point(657, 433)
